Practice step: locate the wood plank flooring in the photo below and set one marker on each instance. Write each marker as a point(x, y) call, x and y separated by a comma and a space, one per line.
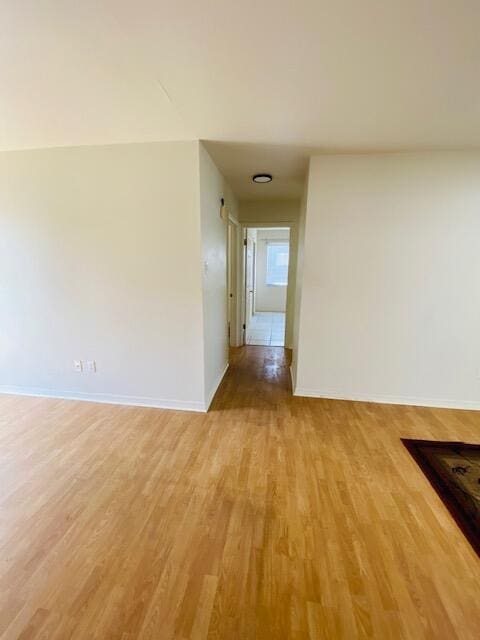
point(270, 517)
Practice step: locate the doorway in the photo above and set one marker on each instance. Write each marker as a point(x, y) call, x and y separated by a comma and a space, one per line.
point(267, 254)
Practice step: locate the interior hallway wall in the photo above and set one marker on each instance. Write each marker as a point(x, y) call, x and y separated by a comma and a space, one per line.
point(271, 211)
point(214, 270)
point(100, 256)
point(390, 307)
point(299, 260)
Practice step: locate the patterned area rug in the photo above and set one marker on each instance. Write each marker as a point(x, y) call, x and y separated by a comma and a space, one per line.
point(453, 469)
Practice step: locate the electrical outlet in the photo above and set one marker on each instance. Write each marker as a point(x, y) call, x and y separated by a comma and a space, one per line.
point(91, 366)
point(78, 365)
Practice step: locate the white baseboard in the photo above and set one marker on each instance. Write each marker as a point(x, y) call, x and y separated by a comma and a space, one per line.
point(213, 391)
point(106, 398)
point(471, 405)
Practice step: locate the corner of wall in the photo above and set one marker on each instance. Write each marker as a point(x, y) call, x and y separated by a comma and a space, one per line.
point(297, 314)
point(213, 270)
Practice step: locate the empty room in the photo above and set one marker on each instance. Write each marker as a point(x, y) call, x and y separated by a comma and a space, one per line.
point(240, 320)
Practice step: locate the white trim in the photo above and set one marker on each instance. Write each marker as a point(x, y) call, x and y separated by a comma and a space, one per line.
point(283, 224)
point(235, 263)
point(106, 398)
point(291, 225)
point(436, 403)
point(209, 399)
point(292, 378)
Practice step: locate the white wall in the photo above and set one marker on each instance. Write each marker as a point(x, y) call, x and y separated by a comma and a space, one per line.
point(214, 271)
point(237, 280)
point(295, 303)
point(268, 298)
point(274, 211)
point(390, 307)
point(100, 259)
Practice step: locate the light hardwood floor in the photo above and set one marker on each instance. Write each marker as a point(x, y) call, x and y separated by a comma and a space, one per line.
point(270, 517)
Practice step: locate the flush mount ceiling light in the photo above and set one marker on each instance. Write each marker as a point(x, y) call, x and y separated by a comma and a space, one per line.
point(262, 178)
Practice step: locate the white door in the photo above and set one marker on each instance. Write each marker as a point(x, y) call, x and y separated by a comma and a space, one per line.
point(249, 279)
point(231, 283)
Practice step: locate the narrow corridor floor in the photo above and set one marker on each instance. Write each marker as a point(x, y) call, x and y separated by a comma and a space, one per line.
point(271, 517)
point(267, 328)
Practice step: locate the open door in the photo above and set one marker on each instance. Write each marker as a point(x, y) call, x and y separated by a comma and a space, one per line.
point(249, 278)
point(230, 283)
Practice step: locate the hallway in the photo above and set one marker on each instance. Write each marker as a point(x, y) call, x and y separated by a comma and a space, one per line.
point(267, 328)
point(271, 517)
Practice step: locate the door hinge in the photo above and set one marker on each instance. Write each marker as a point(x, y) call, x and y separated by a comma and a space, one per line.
point(244, 327)
point(245, 242)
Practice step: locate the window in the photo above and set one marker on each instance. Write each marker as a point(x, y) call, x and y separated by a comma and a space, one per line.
point(277, 264)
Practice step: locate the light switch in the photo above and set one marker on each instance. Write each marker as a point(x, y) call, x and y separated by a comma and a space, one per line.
point(78, 366)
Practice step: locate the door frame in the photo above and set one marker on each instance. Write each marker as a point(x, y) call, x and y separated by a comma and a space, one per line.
point(249, 299)
point(234, 281)
point(292, 225)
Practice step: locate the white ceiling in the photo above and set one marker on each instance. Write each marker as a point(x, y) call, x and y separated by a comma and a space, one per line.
point(241, 161)
point(324, 74)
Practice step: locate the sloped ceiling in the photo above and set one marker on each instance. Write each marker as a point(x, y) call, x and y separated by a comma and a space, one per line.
point(269, 80)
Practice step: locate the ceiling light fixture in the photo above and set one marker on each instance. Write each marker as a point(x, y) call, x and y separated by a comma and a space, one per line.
point(262, 178)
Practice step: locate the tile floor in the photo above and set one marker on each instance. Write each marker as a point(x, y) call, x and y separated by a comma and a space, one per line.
point(267, 328)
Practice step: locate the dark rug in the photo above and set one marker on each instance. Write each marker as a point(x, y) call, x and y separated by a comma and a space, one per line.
point(453, 469)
